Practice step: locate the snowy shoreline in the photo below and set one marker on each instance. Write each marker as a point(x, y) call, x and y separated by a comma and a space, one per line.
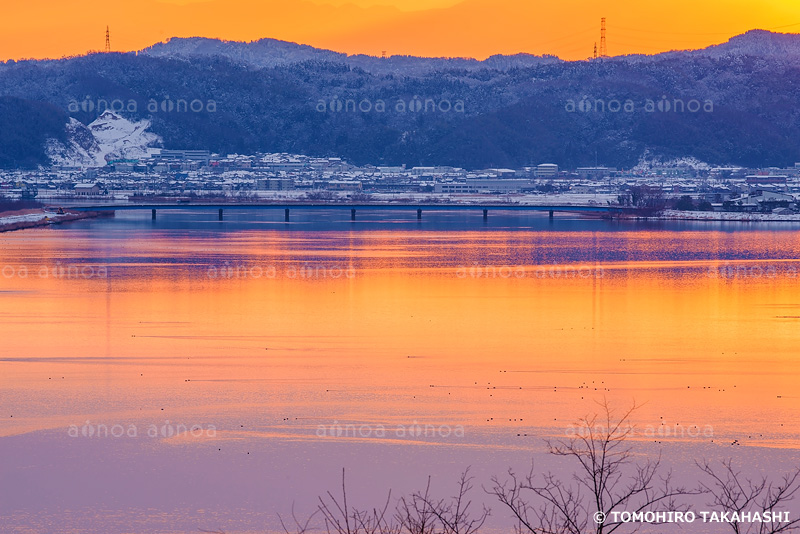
point(724, 216)
point(35, 218)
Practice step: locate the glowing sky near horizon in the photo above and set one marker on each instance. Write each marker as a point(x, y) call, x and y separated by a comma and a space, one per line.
point(468, 28)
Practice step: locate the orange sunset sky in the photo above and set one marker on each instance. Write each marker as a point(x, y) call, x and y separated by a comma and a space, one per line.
point(468, 28)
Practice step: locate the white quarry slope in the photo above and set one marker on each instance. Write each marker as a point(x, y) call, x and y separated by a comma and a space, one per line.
point(80, 150)
point(648, 161)
point(120, 138)
point(109, 137)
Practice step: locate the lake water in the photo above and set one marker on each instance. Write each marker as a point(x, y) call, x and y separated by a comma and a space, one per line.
point(185, 373)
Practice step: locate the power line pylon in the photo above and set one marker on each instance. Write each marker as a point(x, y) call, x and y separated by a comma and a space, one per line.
point(603, 51)
point(108, 41)
point(595, 50)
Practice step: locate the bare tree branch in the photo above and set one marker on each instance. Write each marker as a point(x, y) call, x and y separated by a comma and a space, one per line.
point(607, 480)
point(733, 492)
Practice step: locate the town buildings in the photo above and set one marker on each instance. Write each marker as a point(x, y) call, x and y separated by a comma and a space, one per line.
point(197, 173)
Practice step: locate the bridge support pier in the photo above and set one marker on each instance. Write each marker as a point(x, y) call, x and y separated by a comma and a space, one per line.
point(485, 215)
point(220, 214)
point(286, 215)
point(551, 215)
point(419, 214)
point(353, 214)
point(153, 214)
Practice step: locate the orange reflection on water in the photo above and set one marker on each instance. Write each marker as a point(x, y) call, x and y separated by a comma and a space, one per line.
point(402, 326)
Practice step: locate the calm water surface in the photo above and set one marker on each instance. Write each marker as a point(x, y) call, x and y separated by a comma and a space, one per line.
point(248, 361)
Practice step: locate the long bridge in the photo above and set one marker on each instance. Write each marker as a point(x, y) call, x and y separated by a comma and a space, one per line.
point(220, 207)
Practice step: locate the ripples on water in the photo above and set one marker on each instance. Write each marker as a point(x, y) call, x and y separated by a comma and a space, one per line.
point(298, 342)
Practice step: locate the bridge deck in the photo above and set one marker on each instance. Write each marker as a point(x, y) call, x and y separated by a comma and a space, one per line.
point(347, 206)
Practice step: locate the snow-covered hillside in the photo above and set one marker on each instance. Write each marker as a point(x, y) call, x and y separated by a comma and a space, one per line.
point(759, 43)
point(109, 137)
point(648, 161)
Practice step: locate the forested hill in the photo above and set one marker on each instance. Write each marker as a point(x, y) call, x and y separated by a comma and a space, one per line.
point(734, 103)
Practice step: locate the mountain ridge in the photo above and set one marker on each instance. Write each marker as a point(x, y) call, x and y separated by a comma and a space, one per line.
point(743, 99)
point(268, 52)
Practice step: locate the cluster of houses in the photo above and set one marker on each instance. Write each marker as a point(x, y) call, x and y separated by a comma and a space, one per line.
point(763, 201)
point(195, 173)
